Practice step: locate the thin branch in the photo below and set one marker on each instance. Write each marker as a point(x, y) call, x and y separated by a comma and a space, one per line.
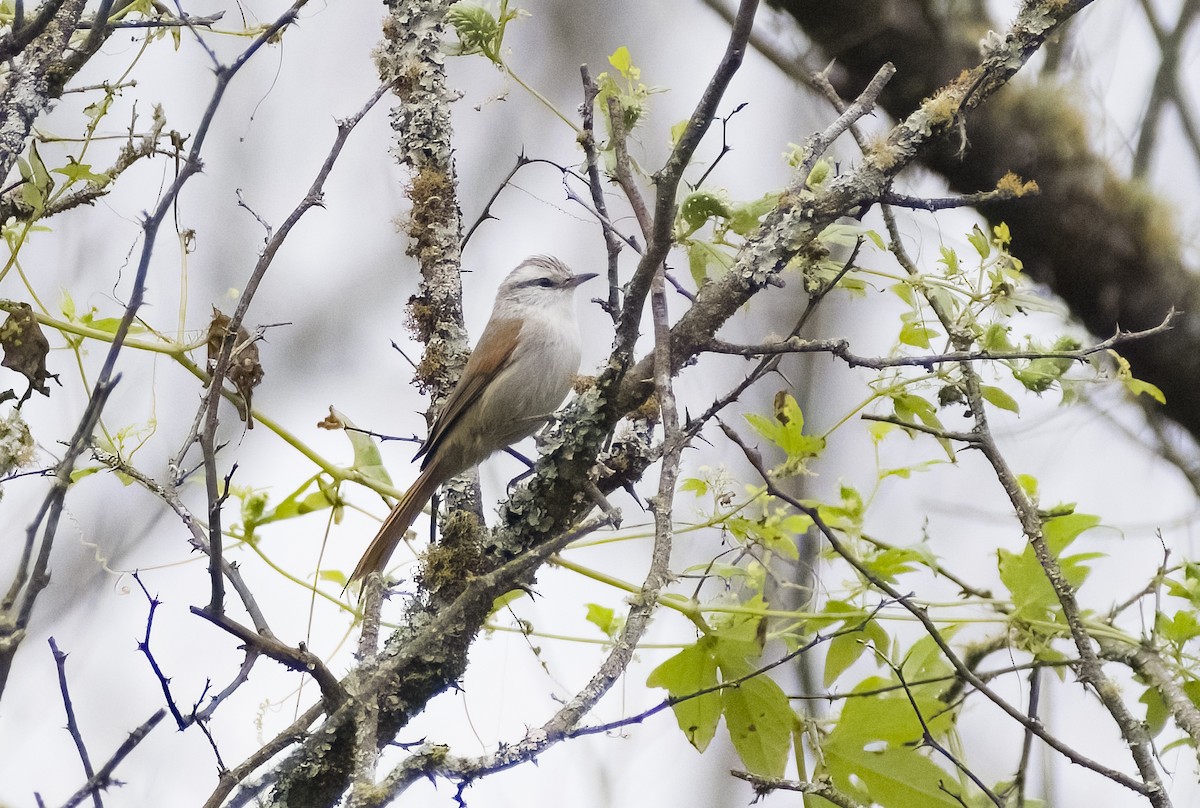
point(103, 778)
point(164, 682)
point(206, 21)
point(667, 179)
point(486, 213)
point(969, 438)
point(841, 349)
point(46, 520)
point(1090, 668)
point(821, 787)
point(293, 734)
point(1021, 778)
point(945, 203)
point(60, 662)
point(199, 535)
point(299, 659)
point(922, 616)
point(612, 241)
point(927, 735)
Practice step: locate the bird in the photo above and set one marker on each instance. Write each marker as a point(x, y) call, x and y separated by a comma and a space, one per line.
point(520, 371)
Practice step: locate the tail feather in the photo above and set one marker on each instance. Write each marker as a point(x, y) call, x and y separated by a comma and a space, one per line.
point(397, 524)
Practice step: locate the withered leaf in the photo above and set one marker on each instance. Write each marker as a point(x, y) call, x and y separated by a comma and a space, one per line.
point(244, 371)
point(25, 349)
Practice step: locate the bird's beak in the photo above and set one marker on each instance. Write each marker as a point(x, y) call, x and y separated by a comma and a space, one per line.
point(575, 280)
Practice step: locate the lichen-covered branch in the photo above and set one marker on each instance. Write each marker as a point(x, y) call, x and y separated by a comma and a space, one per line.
point(1097, 238)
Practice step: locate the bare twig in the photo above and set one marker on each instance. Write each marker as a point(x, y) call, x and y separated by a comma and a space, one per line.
point(164, 681)
point(927, 735)
point(968, 675)
point(821, 787)
point(103, 777)
point(1021, 778)
point(841, 349)
point(60, 662)
point(1090, 668)
point(612, 241)
point(667, 179)
point(47, 517)
point(293, 734)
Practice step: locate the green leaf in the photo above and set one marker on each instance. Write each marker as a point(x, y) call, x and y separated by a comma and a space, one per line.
point(621, 60)
point(336, 577)
point(744, 217)
point(914, 408)
point(980, 242)
point(601, 617)
point(760, 723)
point(904, 291)
point(917, 335)
point(844, 650)
point(819, 174)
point(81, 172)
point(786, 430)
point(949, 259)
point(108, 324)
point(703, 258)
point(691, 670)
point(298, 503)
point(1062, 530)
point(925, 659)
point(1024, 577)
point(700, 206)
point(677, 131)
point(1179, 629)
point(892, 562)
point(998, 398)
point(1189, 587)
point(893, 777)
point(871, 751)
point(478, 31)
point(1156, 711)
point(84, 471)
point(1040, 375)
point(995, 339)
point(511, 596)
point(367, 458)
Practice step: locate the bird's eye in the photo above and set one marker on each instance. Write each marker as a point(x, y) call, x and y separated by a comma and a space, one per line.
point(545, 283)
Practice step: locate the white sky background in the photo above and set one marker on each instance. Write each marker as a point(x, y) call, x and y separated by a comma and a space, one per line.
point(342, 281)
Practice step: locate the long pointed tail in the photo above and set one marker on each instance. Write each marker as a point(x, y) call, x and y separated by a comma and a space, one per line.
point(397, 523)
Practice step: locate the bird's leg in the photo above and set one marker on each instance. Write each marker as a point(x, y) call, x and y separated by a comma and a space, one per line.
point(435, 502)
point(528, 469)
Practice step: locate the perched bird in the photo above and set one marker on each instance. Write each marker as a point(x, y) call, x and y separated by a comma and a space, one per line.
point(519, 373)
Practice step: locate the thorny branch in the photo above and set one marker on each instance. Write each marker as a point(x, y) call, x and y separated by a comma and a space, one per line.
point(1090, 667)
point(29, 583)
point(103, 777)
point(60, 662)
point(841, 349)
point(964, 671)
